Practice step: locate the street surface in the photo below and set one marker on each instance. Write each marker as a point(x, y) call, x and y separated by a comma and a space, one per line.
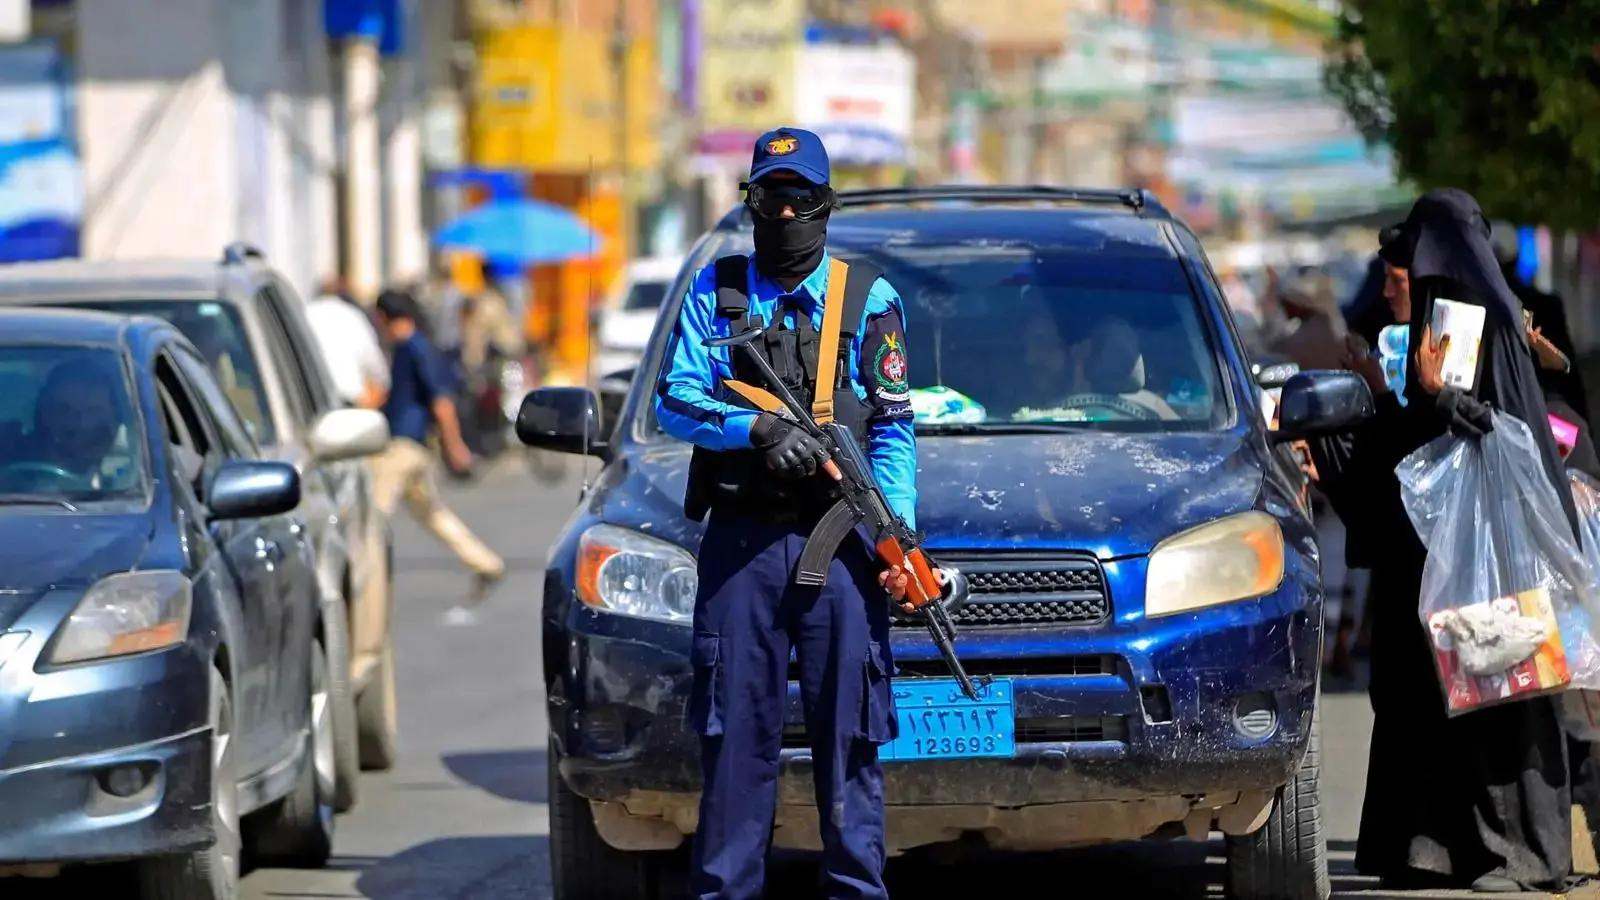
point(463, 816)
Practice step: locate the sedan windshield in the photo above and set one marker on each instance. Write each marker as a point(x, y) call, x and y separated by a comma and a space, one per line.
point(69, 432)
point(1012, 336)
point(217, 331)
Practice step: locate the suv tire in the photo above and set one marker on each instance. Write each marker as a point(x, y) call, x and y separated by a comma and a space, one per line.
point(582, 865)
point(1287, 858)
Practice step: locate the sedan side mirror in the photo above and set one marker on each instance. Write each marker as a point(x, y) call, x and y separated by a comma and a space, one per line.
point(347, 434)
point(563, 419)
point(1322, 402)
point(252, 489)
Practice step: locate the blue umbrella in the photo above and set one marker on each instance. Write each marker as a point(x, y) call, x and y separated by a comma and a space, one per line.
point(517, 233)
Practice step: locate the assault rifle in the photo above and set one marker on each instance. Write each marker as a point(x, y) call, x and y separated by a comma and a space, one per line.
point(862, 502)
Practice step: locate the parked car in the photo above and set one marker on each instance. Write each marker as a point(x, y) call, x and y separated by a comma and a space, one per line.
point(251, 328)
point(164, 657)
point(1144, 573)
point(630, 312)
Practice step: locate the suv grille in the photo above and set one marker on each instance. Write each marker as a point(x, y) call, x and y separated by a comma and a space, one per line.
point(1031, 591)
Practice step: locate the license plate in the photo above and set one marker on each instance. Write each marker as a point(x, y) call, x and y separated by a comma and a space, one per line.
point(937, 721)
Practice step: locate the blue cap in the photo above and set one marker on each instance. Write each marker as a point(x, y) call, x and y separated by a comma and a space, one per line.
point(798, 151)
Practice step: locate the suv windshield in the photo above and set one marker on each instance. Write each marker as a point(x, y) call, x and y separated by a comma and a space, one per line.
point(69, 432)
point(217, 331)
point(1031, 335)
point(645, 295)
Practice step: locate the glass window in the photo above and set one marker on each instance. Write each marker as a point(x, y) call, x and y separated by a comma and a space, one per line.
point(197, 454)
point(645, 295)
point(69, 425)
point(283, 361)
point(1080, 334)
point(235, 436)
point(217, 330)
point(302, 347)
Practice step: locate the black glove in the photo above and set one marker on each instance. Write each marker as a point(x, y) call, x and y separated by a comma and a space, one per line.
point(790, 452)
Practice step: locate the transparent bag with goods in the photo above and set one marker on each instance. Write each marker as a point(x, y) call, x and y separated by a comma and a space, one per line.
point(1580, 709)
point(1507, 598)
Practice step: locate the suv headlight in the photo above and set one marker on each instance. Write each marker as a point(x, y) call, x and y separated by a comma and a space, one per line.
point(127, 613)
point(623, 571)
point(1230, 559)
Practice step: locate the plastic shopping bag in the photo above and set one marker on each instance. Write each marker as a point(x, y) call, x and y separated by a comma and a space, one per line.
point(1507, 596)
point(1580, 709)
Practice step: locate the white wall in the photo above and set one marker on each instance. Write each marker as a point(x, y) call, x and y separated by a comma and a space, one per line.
point(203, 122)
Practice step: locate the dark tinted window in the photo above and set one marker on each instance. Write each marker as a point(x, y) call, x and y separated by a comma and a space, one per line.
point(281, 349)
point(235, 437)
point(1096, 327)
point(217, 329)
point(69, 426)
point(645, 295)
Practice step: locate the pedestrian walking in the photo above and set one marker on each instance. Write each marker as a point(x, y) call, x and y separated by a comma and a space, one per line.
point(757, 476)
point(349, 345)
point(418, 399)
point(1482, 799)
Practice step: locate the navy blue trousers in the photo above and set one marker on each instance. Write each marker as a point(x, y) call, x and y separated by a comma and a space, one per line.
point(748, 615)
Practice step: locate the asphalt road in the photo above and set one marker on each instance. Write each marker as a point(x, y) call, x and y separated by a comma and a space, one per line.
point(463, 816)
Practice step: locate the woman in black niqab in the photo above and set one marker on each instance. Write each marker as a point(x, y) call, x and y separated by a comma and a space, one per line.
point(1483, 798)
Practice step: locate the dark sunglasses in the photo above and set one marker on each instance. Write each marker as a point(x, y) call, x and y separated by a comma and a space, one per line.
point(809, 201)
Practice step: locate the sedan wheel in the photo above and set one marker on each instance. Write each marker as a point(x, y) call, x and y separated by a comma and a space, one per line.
point(298, 830)
point(212, 873)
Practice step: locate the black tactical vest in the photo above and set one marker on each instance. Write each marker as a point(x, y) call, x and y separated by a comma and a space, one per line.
point(738, 480)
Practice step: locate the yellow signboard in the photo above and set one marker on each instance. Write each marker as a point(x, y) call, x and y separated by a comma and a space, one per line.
point(750, 22)
point(747, 90)
point(747, 64)
point(547, 100)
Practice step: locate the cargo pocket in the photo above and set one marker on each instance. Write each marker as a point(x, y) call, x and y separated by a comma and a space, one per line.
point(705, 696)
point(879, 724)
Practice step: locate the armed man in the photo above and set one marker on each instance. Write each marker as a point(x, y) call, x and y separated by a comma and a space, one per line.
point(834, 334)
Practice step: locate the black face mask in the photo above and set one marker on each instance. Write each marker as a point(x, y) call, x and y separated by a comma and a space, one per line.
point(789, 248)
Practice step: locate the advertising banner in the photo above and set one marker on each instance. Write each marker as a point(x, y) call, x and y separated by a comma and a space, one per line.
point(746, 75)
point(859, 98)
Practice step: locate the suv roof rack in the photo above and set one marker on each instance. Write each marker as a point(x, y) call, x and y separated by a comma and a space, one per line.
point(238, 252)
point(1137, 199)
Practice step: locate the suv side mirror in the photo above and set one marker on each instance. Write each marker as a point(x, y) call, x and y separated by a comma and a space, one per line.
point(252, 489)
point(1322, 402)
point(348, 433)
point(563, 419)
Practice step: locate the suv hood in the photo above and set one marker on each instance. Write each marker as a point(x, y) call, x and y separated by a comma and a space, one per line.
point(1113, 495)
point(1110, 494)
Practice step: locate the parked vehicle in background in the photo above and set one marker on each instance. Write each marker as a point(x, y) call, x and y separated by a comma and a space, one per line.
point(630, 313)
point(166, 672)
point(1093, 455)
point(250, 327)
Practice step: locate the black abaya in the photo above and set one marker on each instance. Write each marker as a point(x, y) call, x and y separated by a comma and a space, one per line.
point(1485, 792)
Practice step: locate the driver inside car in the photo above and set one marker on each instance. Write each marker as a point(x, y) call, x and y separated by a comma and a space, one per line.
point(75, 423)
point(1099, 377)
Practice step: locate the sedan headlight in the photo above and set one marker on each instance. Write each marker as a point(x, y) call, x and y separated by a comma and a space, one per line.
point(127, 613)
point(623, 571)
point(1230, 559)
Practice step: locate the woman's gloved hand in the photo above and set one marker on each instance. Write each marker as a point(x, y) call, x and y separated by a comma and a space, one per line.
point(790, 452)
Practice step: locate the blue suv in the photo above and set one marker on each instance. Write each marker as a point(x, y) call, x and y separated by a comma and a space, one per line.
point(1092, 452)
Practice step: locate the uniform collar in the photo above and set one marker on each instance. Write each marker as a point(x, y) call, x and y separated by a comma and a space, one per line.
point(815, 284)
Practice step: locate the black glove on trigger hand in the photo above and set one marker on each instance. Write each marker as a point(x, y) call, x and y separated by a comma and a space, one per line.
point(790, 452)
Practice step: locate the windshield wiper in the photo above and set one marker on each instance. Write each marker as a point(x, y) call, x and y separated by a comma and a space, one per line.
point(1001, 428)
point(36, 500)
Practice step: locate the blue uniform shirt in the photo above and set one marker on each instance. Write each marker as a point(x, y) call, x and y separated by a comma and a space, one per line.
point(416, 377)
point(687, 404)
